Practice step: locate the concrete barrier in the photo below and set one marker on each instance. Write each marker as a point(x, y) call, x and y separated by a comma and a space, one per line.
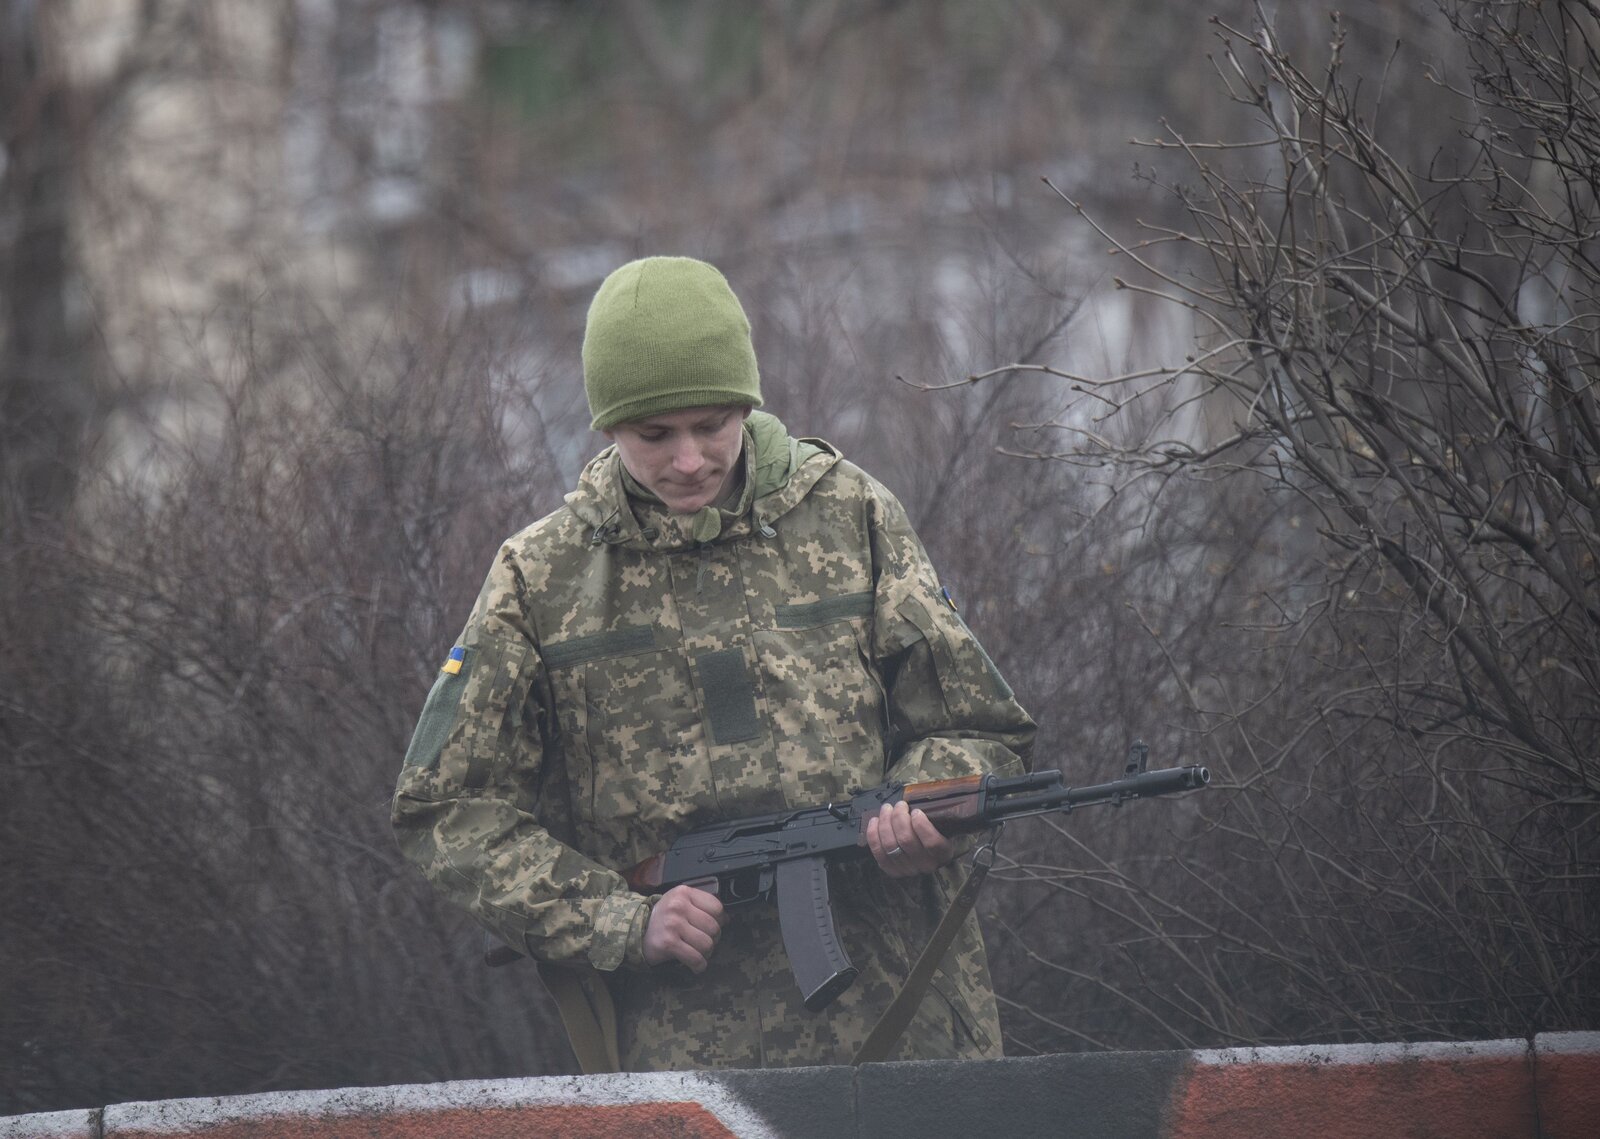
point(1546, 1088)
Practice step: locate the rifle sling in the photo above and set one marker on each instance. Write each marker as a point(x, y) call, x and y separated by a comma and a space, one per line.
point(587, 1014)
point(893, 1022)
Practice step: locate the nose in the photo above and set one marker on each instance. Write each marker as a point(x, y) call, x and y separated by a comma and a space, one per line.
point(686, 458)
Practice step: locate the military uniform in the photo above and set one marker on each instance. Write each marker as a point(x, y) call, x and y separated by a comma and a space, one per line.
point(623, 678)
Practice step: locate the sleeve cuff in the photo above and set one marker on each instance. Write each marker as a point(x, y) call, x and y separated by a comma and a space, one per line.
point(634, 957)
point(619, 932)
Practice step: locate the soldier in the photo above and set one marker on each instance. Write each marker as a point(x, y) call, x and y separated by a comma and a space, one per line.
point(722, 620)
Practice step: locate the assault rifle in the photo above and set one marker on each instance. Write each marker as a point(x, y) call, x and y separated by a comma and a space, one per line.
point(787, 853)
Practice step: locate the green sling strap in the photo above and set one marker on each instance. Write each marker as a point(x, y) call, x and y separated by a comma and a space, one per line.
point(893, 1022)
point(587, 1013)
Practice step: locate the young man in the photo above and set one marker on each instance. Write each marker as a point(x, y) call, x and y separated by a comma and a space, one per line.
point(721, 621)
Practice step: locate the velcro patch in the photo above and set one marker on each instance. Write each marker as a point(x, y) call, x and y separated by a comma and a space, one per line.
point(730, 695)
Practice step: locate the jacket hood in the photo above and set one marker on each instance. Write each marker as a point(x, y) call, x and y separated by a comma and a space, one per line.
point(779, 471)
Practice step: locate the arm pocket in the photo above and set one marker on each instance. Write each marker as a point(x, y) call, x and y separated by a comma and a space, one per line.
point(439, 713)
point(963, 665)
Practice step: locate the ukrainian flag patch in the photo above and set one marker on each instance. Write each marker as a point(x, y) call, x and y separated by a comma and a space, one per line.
point(452, 664)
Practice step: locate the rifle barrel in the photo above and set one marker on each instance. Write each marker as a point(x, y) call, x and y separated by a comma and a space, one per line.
point(1141, 786)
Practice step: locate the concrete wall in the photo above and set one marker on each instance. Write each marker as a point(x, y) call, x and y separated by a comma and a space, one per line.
point(1549, 1087)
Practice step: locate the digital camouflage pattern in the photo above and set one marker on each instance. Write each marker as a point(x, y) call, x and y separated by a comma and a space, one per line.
point(621, 683)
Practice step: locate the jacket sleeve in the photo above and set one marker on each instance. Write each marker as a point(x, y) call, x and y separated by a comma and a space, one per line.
point(468, 806)
point(951, 712)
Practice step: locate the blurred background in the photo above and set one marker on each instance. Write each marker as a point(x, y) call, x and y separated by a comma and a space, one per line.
point(1299, 484)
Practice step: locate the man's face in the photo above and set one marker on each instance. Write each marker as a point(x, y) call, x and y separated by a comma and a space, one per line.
point(685, 458)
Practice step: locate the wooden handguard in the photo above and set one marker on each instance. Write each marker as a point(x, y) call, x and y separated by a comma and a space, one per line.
point(951, 801)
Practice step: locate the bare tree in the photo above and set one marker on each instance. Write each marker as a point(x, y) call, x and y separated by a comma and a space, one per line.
point(47, 355)
point(1389, 428)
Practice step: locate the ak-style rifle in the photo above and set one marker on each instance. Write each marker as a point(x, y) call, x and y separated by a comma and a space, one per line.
point(787, 853)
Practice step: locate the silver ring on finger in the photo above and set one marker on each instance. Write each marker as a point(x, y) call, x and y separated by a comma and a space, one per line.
point(896, 850)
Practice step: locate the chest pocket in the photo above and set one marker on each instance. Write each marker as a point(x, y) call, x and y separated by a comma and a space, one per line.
point(631, 725)
point(827, 700)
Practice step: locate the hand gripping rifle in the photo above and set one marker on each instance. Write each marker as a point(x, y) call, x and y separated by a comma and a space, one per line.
point(787, 853)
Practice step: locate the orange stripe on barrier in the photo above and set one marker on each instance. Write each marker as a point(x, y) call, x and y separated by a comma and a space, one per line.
point(1461, 1099)
point(570, 1121)
point(1569, 1095)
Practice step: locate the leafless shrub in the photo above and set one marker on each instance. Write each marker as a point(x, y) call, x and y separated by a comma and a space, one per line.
point(216, 901)
point(1387, 437)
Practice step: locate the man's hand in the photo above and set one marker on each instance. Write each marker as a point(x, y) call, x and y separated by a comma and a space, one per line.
point(906, 843)
point(684, 926)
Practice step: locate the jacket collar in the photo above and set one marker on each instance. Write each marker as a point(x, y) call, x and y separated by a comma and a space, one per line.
point(779, 471)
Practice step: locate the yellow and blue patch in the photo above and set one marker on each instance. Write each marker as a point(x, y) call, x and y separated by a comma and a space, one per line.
point(452, 664)
point(948, 600)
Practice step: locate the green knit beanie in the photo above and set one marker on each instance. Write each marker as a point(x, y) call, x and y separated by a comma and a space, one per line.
point(664, 334)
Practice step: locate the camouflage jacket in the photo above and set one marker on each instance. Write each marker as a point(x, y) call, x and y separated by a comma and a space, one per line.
point(619, 682)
